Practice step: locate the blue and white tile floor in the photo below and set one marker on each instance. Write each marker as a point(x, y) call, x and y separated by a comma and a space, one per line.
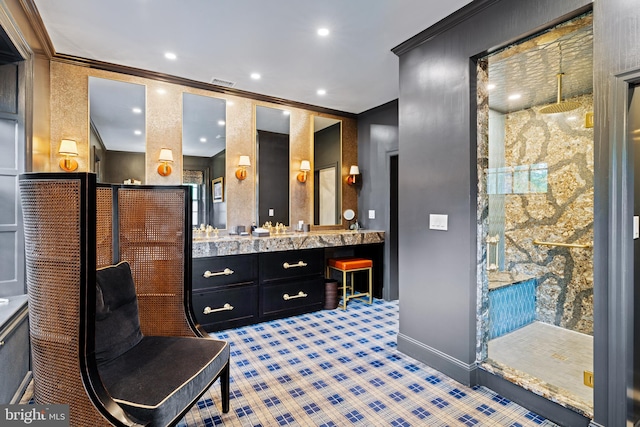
point(336, 368)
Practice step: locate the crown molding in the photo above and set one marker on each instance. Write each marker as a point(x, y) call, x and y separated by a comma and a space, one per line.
point(460, 15)
point(33, 16)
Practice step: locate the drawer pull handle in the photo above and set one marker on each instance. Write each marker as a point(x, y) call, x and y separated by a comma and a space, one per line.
point(301, 294)
point(225, 272)
point(286, 265)
point(209, 310)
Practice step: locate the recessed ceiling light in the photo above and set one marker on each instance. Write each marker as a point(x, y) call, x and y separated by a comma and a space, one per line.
point(321, 92)
point(323, 32)
point(514, 96)
point(203, 139)
point(137, 132)
point(286, 112)
point(161, 91)
point(137, 110)
point(170, 55)
point(491, 86)
point(255, 76)
point(220, 122)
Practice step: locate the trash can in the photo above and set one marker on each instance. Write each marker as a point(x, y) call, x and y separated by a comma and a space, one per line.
point(330, 294)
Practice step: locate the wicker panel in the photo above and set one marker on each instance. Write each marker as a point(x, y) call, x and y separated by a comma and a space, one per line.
point(152, 239)
point(104, 227)
point(52, 214)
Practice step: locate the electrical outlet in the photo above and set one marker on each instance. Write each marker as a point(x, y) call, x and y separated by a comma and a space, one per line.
point(271, 212)
point(372, 214)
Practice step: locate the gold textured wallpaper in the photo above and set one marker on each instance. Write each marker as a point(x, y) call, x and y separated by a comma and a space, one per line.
point(69, 105)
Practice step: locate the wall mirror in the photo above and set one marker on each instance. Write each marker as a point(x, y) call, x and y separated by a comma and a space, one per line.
point(327, 155)
point(204, 157)
point(272, 165)
point(117, 131)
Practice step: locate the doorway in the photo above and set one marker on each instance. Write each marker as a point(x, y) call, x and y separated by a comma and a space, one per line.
point(536, 169)
point(12, 163)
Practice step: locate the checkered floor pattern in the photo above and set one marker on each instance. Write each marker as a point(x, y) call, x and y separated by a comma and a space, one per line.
point(334, 368)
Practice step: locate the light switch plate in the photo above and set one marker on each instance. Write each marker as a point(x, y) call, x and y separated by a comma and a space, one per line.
point(270, 212)
point(636, 226)
point(372, 214)
point(438, 222)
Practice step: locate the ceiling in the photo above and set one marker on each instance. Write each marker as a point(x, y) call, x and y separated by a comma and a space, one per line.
point(529, 67)
point(231, 39)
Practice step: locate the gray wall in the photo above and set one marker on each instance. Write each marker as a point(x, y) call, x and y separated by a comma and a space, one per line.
point(616, 64)
point(118, 166)
point(377, 140)
point(437, 175)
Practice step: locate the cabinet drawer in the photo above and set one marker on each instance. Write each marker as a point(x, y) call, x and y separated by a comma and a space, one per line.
point(223, 270)
point(291, 295)
point(220, 308)
point(289, 264)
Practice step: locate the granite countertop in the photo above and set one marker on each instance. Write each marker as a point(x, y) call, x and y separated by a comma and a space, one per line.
point(236, 245)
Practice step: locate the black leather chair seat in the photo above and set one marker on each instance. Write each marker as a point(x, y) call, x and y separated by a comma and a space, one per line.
point(158, 377)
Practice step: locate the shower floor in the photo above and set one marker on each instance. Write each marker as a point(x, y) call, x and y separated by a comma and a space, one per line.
point(557, 357)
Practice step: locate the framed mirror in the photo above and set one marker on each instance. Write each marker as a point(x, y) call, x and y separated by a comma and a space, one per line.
point(327, 161)
point(204, 157)
point(272, 165)
point(117, 131)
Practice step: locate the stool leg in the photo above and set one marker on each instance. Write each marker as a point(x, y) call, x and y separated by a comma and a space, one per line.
point(344, 290)
point(370, 286)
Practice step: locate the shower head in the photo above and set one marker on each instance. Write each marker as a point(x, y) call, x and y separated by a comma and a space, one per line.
point(560, 106)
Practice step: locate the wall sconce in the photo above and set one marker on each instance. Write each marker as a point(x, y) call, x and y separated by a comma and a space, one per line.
point(166, 157)
point(305, 167)
point(243, 164)
point(68, 148)
point(351, 179)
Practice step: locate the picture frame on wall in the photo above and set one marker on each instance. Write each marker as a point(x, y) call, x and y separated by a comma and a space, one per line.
point(217, 189)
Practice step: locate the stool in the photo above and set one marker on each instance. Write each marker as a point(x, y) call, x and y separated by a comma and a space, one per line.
point(351, 265)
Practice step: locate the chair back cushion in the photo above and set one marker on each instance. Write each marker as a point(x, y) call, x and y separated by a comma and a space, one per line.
point(117, 321)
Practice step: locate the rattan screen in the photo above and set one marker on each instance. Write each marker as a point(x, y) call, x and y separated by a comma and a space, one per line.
point(151, 227)
point(52, 212)
point(104, 226)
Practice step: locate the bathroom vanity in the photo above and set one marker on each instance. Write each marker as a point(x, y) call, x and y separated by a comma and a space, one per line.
point(241, 280)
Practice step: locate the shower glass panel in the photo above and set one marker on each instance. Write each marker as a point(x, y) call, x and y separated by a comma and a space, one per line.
point(535, 163)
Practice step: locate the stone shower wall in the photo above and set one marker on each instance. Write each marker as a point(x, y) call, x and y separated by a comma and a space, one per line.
point(562, 213)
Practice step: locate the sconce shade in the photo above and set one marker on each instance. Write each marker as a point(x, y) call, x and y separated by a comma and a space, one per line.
point(68, 148)
point(353, 172)
point(305, 166)
point(166, 157)
point(241, 172)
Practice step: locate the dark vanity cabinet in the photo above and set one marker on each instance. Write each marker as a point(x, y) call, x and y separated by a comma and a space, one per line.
point(225, 291)
point(236, 290)
point(291, 282)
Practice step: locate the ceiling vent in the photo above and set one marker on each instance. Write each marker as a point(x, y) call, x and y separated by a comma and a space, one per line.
point(220, 82)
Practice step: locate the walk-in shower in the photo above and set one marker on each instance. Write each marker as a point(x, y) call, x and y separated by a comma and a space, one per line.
point(535, 213)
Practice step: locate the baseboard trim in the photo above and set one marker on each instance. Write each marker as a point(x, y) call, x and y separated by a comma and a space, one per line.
point(22, 388)
point(460, 371)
